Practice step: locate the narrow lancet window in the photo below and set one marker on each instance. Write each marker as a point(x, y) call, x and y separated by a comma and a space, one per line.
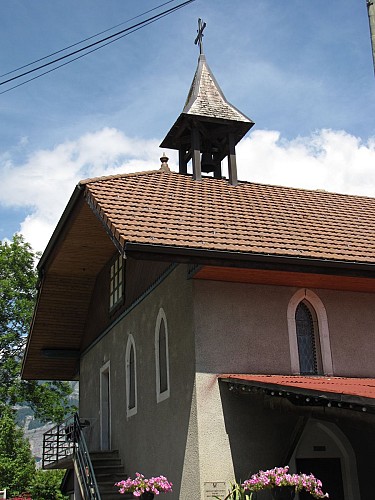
point(161, 357)
point(163, 376)
point(308, 340)
point(131, 378)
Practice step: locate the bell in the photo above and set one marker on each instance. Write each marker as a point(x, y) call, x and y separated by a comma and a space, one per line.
point(207, 163)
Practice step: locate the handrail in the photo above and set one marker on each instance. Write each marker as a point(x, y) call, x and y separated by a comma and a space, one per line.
point(82, 461)
point(66, 441)
point(58, 443)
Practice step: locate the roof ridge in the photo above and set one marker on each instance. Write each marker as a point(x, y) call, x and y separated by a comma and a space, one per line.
point(310, 190)
point(317, 191)
point(119, 176)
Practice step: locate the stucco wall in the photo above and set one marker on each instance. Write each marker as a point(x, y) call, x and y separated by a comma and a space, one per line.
point(351, 321)
point(161, 437)
point(202, 433)
point(242, 328)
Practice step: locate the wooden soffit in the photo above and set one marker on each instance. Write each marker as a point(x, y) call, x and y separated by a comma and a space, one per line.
point(286, 278)
point(68, 278)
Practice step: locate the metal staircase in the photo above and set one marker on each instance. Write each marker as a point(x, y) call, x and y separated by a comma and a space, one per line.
point(64, 446)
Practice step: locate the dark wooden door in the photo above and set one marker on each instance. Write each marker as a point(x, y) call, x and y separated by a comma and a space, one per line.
point(328, 470)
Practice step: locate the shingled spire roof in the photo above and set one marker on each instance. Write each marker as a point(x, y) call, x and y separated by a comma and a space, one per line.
point(206, 98)
point(208, 128)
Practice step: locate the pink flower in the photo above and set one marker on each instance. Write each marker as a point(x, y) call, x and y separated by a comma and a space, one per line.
point(279, 476)
point(140, 484)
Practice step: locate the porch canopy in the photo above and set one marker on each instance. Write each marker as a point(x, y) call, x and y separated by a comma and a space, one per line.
point(340, 392)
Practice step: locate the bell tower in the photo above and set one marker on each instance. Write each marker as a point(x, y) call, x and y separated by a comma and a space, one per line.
point(209, 127)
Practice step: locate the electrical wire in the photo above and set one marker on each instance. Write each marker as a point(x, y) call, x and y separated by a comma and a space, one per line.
point(140, 24)
point(119, 35)
point(86, 39)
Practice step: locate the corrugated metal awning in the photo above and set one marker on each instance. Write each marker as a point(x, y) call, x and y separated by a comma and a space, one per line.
point(346, 392)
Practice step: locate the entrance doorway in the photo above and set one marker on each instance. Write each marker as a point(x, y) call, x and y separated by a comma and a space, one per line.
point(328, 470)
point(105, 407)
point(325, 451)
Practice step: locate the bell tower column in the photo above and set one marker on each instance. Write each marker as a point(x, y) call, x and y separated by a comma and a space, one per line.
point(232, 162)
point(196, 154)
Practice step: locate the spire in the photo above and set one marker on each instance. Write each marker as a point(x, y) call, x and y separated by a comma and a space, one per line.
point(209, 127)
point(205, 97)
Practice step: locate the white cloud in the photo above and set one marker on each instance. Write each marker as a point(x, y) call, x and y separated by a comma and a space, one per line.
point(331, 160)
point(44, 182)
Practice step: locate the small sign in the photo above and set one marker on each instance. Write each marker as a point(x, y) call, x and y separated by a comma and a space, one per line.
point(215, 489)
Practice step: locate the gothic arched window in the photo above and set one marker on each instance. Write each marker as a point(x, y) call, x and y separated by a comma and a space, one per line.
point(161, 357)
point(131, 377)
point(309, 352)
point(310, 347)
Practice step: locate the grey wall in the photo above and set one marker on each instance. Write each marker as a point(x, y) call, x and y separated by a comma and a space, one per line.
point(242, 328)
point(161, 437)
point(202, 433)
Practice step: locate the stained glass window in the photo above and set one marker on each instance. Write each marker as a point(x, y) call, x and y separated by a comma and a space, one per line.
point(307, 339)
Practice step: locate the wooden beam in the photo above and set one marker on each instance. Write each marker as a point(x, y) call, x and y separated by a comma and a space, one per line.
point(196, 154)
point(232, 163)
point(182, 163)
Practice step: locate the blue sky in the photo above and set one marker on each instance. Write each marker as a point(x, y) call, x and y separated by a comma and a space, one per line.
point(302, 70)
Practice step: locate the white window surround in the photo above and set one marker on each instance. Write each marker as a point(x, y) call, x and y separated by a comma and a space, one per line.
point(130, 343)
point(161, 396)
point(105, 406)
point(325, 345)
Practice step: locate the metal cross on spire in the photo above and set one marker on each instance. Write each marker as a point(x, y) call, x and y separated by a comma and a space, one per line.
point(199, 39)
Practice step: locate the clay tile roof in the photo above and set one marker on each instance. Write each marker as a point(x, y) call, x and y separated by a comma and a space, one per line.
point(170, 209)
point(360, 387)
point(206, 98)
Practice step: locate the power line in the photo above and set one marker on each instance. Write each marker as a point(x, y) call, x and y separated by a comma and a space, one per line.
point(86, 39)
point(120, 34)
point(141, 23)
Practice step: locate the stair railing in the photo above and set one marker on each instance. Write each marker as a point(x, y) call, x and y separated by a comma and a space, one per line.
point(58, 444)
point(83, 464)
point(67, 442)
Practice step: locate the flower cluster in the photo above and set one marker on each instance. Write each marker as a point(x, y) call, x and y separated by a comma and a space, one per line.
point(141, 485)
point(279, 476)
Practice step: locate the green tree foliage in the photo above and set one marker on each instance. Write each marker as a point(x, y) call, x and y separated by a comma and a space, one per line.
point(18, 279)
point(17, 465)
point(46, 485)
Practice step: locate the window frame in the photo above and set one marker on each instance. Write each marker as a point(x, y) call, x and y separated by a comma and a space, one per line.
point(307, 296)
point(116, 282)
point(161, 396)
point(129, 345)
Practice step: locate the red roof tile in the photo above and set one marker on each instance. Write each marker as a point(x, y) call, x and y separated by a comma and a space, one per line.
point(361, 387)
point(171, 209)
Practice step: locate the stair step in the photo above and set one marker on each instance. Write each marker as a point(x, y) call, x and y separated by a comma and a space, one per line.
point(115, 496)
point(114, 468)
point(104, 454)
point(108, 470)
point(107, 462)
